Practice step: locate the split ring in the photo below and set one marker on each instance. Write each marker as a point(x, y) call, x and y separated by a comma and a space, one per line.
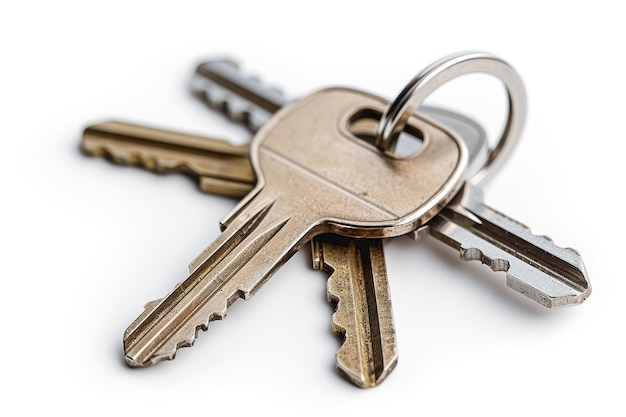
point(395, 117)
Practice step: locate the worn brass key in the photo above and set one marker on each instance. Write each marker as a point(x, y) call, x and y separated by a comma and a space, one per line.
point(302, 191)
point(220, 167)
point(363, 317)
point(535, 267)
point(358, 283)
point(366, 256)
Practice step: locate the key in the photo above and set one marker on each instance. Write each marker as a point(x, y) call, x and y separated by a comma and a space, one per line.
point(364, 318)
point(490, 161)
point(368, 352)
point(246, 100)
point(269, 225)
point(535, 266)
point(243, 99)
point(220, 167)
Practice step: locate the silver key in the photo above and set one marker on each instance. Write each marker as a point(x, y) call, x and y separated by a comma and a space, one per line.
point(534, 265)
point(308, 184)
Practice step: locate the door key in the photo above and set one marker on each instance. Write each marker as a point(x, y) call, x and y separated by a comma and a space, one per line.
point(301, 191)
point(480, 233)
point(362, 318)
point(534, 265)
point(436, 227)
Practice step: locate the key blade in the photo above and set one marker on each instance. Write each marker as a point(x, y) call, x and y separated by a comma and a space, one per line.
point(359, 289)
point(535, 266)
point(237, 264)
point(219, 166)
point(242, 98)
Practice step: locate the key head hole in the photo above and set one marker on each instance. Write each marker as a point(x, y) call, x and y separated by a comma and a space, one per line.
point(363, 126)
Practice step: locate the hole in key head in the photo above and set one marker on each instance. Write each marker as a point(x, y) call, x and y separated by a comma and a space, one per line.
point(363, 125)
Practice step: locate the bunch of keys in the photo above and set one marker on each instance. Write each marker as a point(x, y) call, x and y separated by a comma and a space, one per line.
point(329, 169)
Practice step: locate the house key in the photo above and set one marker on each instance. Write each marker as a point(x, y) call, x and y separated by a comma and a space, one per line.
point(307, 184)
point(537, 268)
point(358, 282)
point(131, 326)
point(534, 265)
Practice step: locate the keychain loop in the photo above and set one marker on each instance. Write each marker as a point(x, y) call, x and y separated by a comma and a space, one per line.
point(395, 117)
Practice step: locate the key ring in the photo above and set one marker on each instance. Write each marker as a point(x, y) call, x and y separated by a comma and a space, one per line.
point(393, 120)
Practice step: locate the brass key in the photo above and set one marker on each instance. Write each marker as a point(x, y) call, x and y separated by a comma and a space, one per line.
point(363, 317)
point(358, 283)
point(307, 184)
point(389, 144)
point(220, 167)
point(368, 352)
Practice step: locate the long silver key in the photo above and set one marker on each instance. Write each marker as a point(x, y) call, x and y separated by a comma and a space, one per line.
point(363, 317)
point(302, 191)
point(534, 265)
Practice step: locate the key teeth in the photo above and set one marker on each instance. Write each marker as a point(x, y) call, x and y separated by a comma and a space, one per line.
point(341, 315)
point(234, 108)
point(475, 254)
point(367, 353)
point(170, 353)
point(167, 351)
point(332, 289)
point(341, 330)
point(335, 300)
point(145, 344)
point(574, 251)
point(149, 162)
point(581, 291)
point(509, 237)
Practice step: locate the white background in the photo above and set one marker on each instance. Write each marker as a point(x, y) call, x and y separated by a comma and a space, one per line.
point(86, 243)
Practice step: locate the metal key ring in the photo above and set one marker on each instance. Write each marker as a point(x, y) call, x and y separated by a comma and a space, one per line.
point(394, 119)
